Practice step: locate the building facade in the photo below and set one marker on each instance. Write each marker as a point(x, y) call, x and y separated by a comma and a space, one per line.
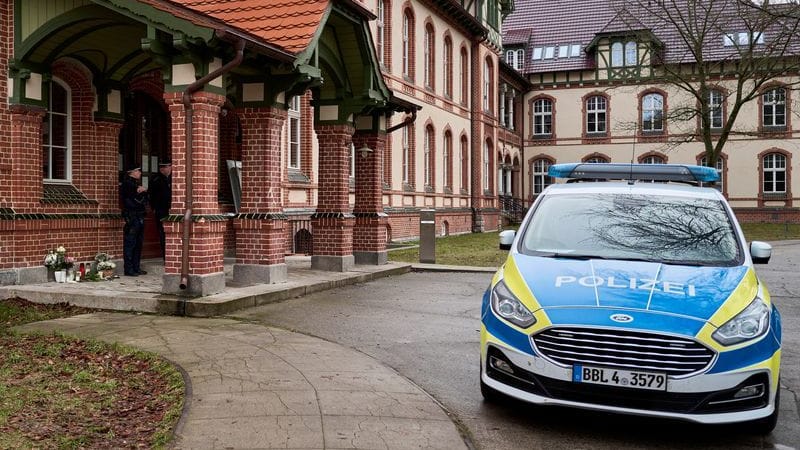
point(323, 134)
point(599, 95)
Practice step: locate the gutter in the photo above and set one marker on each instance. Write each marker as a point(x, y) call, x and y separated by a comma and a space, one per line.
point(188, 111)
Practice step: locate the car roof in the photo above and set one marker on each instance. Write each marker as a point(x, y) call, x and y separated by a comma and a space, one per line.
point(638, 188)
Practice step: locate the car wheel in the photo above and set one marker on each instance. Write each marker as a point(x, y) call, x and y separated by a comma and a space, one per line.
point(767, 424)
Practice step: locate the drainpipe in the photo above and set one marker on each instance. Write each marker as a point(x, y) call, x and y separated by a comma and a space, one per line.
point(187, 104)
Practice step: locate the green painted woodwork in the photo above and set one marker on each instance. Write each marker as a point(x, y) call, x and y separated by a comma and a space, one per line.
point(30, 15)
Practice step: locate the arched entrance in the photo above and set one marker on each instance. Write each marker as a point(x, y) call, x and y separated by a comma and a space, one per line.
point(144, 140)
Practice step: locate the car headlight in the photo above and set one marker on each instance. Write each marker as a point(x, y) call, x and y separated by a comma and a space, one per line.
point(749, 324)
point(505, 305)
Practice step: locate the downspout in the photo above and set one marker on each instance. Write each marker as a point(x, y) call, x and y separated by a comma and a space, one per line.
point(406, 122)
point(187, 105)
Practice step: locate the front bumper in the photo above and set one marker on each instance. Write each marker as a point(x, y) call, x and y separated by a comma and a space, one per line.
point(704, 398)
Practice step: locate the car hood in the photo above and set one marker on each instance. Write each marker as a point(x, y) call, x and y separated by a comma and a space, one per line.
point(635, 286)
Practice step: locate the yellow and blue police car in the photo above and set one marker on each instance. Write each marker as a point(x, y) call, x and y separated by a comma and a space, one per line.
point(631, 289)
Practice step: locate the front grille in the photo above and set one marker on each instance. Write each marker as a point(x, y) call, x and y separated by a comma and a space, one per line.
point(623, 349)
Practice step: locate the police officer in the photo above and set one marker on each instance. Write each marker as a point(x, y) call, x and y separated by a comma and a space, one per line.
point(161, 198)
point(133, 197)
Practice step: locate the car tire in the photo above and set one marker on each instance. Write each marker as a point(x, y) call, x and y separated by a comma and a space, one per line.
point(765, 426)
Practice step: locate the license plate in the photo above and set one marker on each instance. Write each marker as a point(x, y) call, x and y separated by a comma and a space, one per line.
point(635, 379)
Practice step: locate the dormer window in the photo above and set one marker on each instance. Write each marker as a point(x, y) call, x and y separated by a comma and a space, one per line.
point(549, 52)
point(624, 54)
point(742, 38)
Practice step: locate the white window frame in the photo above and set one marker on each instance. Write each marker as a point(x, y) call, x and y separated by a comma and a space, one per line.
point(653, 109)
point(631, 53)
point(486, 154)
point(446, 154)
point(652, 159)
point(428, 51)
point(406, 44)
point(448, 67)
point(772, 100)
point(520, 59)
point(617, 54)
point(538, 52)
point(380, 30)
point(575, 50)
point(549, 52)
point(715, 102)
point(563, 51)
point(487, 86)
point(427, 157)
point(47, 147)
point(542, 110)
point(406, 163)
point(539, 177)
point(596, 108)
point(771, 170)
point(294, 129)
point(463, 163)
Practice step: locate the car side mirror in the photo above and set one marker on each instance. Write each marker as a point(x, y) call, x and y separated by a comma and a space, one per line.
point(760, 252)
point(506, 239)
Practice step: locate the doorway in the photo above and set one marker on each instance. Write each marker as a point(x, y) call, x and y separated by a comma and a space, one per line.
point(144, 140)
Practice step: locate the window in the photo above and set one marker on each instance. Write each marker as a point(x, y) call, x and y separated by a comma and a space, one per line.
point(653, 112)
point(447, 156)
point(464, 163)
point(511, 58)
point(549, 52)
point(379, 34)
point(616, 54)
point(488, 83)
point(430, 63)
point(715, 99)
point(719, 167)
point(406, 156)
point(428, 156)
point(540, 178)
point(463, 76)
point(774, 108)
point(743, 38)
point(352, 160)
point(631, 56)
point(56, 153)
point(507, 110)
point(596, 160)
point(596, 114)
point(293, 138)
point(520, 59)
point(537, 53)
point(651, 159)
point(575, 50)
point(487, 151)
point(774, 173)
point(542, 117)
point(563, 51)
point(408, 44)
point(448, 67)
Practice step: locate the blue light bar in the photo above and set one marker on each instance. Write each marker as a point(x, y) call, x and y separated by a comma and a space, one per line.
point(619, 171)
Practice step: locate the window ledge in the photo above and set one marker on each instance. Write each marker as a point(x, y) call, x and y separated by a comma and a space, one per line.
point(64, 194)
point(296, 176)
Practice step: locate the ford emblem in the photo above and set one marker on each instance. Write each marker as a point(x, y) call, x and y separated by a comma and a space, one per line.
point(621, 318)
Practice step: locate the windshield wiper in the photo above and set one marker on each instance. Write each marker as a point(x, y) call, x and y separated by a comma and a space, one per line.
point(571, 256)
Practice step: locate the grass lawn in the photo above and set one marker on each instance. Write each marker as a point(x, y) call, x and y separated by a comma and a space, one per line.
point(480, 249)
point(62, 392)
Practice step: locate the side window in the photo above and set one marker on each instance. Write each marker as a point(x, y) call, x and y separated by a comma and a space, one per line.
point(774, 108)
point(653, 113)
point(539, 174)
point(596, 115)
point(631, 56)
point(616, 54)
point(293, 134)
point(774, 173)
point(715, 101)
point(56, 135)
point(542, 118)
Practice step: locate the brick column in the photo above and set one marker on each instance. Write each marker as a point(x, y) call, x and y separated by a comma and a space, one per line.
point(24, 184)
point(206, 241)
point(369, 234)
point(333, 223)
point(260, 225)
point(105, 171)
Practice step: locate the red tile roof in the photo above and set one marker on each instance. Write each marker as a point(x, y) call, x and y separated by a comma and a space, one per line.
point(288, 24)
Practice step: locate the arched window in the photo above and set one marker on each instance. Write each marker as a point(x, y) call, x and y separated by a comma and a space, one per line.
point(653, 112)
point(616, 54)
point(448, 67)
point(596, 114)
point(447, 158)
point(430, 55)
point(631, 57)
point(488, 84)
point(487, 152)
point(774, 108)
point(293, 134)
point(463, 76)
point(56, 134)
point(429, 155)
point(774, 173)
point(406, 155)
point(408, 44)
point(464, 163)
point(542, 117)
point(652, 159)
point(379, 32)
point(715, 100)
point(540, 178)
point(595, 160)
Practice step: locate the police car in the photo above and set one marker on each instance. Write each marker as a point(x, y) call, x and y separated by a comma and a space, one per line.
point(636, 296)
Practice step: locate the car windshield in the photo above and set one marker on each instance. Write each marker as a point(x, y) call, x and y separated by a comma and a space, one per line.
point(668, 229)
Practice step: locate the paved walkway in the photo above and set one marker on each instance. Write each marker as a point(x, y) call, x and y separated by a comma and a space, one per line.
point(249, 386)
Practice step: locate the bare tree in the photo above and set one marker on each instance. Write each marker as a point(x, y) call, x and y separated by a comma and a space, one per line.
point(704, 42)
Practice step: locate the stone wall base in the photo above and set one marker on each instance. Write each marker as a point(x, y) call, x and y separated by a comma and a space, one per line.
point(198, 286)
point(371, 258)
point(249, 274)
point(332, 263)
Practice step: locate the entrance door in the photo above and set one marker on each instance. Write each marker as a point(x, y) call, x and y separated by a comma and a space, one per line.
point(144, 140)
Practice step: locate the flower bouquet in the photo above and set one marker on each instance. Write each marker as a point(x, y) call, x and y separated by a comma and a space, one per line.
point(102, 267)
point(58, 261)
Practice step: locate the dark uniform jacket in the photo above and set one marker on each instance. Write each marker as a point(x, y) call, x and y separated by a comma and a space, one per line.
point(161, 194)
point(133, 203)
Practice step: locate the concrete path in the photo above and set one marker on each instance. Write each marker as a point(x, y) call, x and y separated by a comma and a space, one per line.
point(250, 386)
